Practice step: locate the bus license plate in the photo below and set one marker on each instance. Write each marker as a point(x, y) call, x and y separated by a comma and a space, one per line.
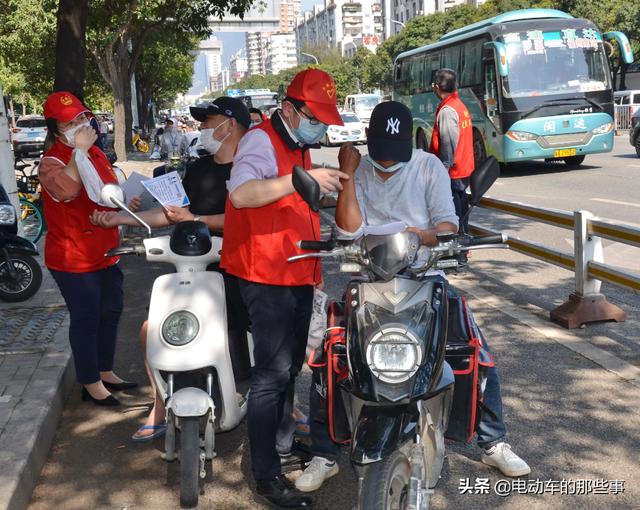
point(563, 153)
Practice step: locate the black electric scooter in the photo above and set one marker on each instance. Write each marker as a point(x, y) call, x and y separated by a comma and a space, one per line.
point(20, 273)
point(394, 352)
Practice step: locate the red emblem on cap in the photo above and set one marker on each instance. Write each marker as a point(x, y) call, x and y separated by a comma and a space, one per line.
point(330, 89)
point(66, 100)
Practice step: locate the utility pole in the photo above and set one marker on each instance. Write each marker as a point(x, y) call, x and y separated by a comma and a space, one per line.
point(7, 173)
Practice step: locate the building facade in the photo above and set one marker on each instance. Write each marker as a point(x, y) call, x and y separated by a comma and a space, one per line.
point(397, 12)
point(281, 52)
point(238, 66)
point(343, 25)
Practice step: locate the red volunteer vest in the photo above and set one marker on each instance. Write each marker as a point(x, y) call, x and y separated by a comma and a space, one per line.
point(73, 243)
point(463, 163)
point(258, 240)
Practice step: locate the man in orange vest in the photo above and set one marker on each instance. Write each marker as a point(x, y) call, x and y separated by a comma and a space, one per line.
point(264, 219)
point(452, 139)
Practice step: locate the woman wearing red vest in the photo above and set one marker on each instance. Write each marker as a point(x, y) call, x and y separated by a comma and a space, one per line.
point(264, 219)
point(452, 139)
point(72, 173)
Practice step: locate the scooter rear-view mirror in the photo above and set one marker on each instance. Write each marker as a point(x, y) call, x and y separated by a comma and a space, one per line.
point(112, 194)
point(307, 187)
point(483, 178)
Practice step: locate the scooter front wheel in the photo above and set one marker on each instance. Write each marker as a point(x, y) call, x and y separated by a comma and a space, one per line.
point(386, 484)
point(24, 282)
point(189, 461)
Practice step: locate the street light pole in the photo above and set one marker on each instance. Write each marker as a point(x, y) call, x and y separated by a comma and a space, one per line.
point(310, 55)
point(398, 22)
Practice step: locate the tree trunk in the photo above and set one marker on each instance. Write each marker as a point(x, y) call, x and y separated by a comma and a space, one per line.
point(119, 123)
point(70, 46)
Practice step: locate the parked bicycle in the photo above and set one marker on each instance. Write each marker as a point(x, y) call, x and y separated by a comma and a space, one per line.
point(31, 215)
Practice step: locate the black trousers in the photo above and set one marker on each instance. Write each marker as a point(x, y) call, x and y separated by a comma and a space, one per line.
point(280, 319)
point(461, 202)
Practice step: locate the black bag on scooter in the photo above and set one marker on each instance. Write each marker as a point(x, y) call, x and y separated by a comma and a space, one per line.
point(470, 359)
point(329, 367)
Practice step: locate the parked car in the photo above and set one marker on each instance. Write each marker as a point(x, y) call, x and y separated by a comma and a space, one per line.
point(634, 132)
point(28, 135)
point(352, 131)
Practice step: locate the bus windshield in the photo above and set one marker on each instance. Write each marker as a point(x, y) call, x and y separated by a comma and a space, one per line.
point(555, 62)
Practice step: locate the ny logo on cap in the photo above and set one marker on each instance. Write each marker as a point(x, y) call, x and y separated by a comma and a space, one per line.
point(393, 126)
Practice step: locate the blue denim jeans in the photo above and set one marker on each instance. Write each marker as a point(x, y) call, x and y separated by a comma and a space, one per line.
point(95, 301)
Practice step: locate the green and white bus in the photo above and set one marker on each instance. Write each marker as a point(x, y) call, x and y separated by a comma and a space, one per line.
point(536, 82)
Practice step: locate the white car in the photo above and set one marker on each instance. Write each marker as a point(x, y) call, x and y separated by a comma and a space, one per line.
point(352, 131)
point(28, 135)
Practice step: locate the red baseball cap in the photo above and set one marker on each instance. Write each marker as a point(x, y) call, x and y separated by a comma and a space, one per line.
point(63, 106)
point(318, 91)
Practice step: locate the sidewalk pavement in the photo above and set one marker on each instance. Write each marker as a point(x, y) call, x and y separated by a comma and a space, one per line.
point(36, 376)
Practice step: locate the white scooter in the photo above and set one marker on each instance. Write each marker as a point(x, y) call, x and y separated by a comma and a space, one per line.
point(187, 345)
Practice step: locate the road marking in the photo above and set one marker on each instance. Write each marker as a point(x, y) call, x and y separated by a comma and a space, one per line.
point(634, 166)
point(626, 371)
point(616, 202)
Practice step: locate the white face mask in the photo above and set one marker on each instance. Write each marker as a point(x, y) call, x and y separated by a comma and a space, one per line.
point(70, 134)
point(210, 144)
point(393, 168)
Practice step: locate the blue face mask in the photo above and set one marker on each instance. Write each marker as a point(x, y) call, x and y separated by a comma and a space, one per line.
point(393, 168)
point(309, 133)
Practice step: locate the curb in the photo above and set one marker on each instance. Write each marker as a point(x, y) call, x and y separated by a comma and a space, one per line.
point(30, 431)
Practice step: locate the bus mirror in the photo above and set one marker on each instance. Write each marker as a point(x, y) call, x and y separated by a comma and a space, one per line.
point(623, 43)
point(500, 50)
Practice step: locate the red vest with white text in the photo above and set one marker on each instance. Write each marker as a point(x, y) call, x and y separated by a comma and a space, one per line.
point(73, 243)
point(258, 240)
point(463, 163)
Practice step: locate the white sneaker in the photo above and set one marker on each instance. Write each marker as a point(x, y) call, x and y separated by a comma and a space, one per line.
point(319, 470)
point(500, 456)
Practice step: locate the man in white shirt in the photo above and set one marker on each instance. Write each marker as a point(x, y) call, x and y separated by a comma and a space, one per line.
point(398, 183)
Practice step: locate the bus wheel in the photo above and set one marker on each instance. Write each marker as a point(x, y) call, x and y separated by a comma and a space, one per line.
point(479, 152)
point(574, 161)
point(421, 141)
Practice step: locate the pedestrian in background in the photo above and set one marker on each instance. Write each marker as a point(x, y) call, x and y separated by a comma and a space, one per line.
point(72, 173)
point(104, 132)
point(264, 220)
point(452, 142)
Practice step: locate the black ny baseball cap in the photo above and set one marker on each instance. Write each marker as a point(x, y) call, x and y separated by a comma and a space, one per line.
point(390, 136)
point(227, 106)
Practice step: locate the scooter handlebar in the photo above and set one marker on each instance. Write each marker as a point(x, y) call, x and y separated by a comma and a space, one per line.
point(126, 250)
point(316, 245)
point(488, 239)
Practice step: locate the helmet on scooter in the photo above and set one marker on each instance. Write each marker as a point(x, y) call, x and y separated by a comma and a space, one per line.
point(190, 239)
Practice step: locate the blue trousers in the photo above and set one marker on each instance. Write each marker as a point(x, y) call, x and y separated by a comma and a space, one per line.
point(461, 202)
point(280, 319)
point(95, 301)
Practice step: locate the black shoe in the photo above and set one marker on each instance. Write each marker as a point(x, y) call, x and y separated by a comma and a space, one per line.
point(275, 494)
point(120, 386)
point(297, 459)
point(109, 401)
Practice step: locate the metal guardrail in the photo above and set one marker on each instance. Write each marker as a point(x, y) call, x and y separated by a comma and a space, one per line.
point(623, 115)
point(587, 261)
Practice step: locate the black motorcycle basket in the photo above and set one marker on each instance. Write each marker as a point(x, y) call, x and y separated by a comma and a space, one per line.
point(470, 359)
point(329, 366)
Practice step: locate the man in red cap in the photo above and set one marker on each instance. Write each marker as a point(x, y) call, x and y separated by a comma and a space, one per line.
point(264, 219)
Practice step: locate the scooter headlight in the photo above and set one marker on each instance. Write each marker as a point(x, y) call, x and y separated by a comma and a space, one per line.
point(394, 355)
point(180, 328)
point(7, 214)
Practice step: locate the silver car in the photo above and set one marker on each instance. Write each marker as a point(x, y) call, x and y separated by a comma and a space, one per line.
point(28, 135)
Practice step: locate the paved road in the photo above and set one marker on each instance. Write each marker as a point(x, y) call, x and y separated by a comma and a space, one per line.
point(563, 410)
